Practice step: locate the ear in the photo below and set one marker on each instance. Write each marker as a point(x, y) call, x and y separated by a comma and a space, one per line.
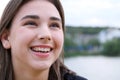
point(5, 40)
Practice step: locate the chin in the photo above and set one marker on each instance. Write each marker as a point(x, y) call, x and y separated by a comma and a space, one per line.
point(41, 66)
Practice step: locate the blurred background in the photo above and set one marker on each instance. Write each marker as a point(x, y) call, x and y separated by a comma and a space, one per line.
point(92, 38)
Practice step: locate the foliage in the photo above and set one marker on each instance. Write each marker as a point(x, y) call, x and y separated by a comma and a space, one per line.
point(68, 42)
point(94, 42)
point(84, 30)
point(112, 48)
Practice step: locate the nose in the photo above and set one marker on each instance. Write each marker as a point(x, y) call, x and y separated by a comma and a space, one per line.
point(44, 34)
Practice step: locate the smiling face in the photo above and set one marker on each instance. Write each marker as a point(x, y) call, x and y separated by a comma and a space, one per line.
point(36, 36)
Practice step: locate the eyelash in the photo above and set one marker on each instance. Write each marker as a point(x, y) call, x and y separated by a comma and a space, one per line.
point(55, 25)
point(31, 23)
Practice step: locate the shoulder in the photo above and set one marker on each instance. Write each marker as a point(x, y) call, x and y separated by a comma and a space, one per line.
point(68, 76)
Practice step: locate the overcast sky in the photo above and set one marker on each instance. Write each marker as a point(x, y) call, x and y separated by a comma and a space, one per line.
point(88, 12)
point(92, 12)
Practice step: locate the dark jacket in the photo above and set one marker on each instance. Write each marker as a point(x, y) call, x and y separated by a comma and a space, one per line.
point(68, 76)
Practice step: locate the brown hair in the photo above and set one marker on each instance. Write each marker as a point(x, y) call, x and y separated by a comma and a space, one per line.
point(57, 70)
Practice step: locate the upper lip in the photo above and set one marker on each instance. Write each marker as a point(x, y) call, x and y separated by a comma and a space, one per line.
point(43, 46)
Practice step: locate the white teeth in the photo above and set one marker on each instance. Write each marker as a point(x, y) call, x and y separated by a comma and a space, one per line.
point(38, 49)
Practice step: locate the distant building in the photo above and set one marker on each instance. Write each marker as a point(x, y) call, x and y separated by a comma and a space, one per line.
point(84, 38)
point(108, 34)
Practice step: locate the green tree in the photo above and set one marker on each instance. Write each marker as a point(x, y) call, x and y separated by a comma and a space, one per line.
point(112, 48)
point(68, 42)
point(94, 42)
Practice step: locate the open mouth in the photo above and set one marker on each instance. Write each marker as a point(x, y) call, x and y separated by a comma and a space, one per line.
point(41, 50)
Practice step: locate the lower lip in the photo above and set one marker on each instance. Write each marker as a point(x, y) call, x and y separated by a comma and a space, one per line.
point(42, 55)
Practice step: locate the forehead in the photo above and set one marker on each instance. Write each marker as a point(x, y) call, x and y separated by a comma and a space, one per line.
point(38, 7)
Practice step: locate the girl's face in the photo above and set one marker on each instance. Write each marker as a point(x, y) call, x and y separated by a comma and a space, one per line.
point(36, 36)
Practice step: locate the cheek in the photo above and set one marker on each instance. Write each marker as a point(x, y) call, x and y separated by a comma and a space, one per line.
point(59, 39)
point(25, 33)
point(21, 35)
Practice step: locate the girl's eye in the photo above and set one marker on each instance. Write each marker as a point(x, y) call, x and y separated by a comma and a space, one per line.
point(55, 25)
point(31, 23)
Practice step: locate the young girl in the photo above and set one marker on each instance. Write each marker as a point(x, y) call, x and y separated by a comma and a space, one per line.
point(31, 41)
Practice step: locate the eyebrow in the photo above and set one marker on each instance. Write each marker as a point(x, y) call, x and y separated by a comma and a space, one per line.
point(31, 16)
point(37, 17)
point(55, 18)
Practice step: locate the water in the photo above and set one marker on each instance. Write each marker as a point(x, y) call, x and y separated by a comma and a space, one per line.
point(95, 68)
